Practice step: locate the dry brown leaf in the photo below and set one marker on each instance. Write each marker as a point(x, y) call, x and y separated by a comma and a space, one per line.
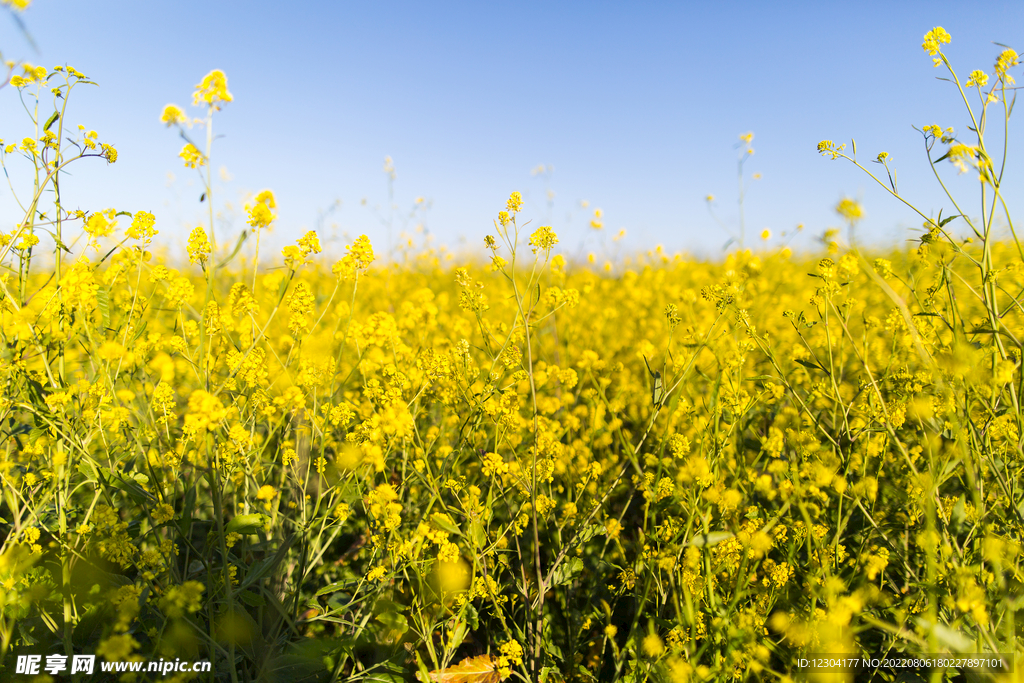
point(479, 669)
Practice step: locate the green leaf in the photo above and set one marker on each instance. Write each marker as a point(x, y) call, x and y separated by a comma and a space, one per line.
point(811, 366)
point(673, 402)
point(87, 469)
point(132, 485)
point(472, 617)
point(246, 524)
point(457, 634)
point(103, 303)
point(384, 677)
point(477, 533)
point(567, 571)
point(142, 328)
point(263, 567)
point(948, 637)
point(238, 245)
point(294, 667)
point(444, 525)
point(422, 671)
point(334, 587)
point(713, 538)
point(394, 621)
point(252, 599)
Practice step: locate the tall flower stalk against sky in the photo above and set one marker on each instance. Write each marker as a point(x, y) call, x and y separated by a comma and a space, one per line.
point(211, 93)
point(745, 152)
point(261, 214)
point(964, 157)
point(48, 155)
point(994, 300)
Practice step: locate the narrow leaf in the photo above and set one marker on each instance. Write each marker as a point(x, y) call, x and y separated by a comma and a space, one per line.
point(103, 303)
point(263, 567)
point(710, 539)
point(234, 252)
point(334, 587)
point(811, 366)
point(444, 525)
point(245, 524)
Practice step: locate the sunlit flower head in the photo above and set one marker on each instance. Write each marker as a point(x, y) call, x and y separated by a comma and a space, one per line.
point(213, 90)
point(310, 242)
point(192, 157)
point(260, 216)
point(16, 5)
point(142, 227)
point(515, 203)
point(199, 247)
point(1006, 59)
point(543, 239)
point(261, 210)
point(933, 42)
point(101, 223)
point(357, 260)
point(172, 115)
point(850, 209)
point(978, 79)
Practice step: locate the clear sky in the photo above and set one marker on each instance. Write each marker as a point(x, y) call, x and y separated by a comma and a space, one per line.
point(636, 106)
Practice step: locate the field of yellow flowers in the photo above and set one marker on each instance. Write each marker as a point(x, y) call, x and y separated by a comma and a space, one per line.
point(517, 467)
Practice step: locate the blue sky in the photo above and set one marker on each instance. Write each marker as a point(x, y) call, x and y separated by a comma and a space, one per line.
point(637, 107)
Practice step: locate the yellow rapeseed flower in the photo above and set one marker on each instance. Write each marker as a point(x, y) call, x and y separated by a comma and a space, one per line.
point(213, 90)
point(543, 239)
point(192, 157)
point(16, 5)
point(199, 247)
point(850, 209)
point(142, 227)
point(934, 39)
point(515, 203)
point(172, 115)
